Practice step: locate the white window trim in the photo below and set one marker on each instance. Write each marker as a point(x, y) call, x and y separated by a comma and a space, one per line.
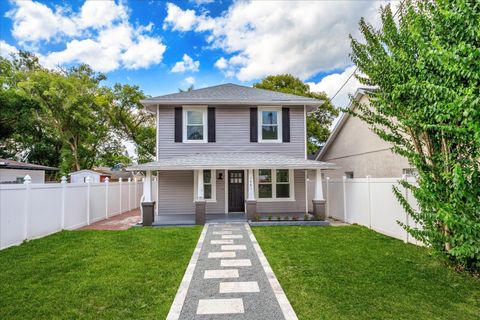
point(274, 187)
point(260, 124)
point(214, 186)
point(184, 123)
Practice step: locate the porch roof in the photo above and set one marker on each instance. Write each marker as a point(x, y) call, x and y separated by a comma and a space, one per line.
point(231, 160)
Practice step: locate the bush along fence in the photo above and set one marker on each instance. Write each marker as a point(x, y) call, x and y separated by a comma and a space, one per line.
point(370, 202)
point(29, 211)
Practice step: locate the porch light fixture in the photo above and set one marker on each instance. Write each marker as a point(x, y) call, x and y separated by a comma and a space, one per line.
point(220, 176)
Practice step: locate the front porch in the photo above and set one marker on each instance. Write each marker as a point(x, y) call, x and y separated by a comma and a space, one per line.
point(201, 188)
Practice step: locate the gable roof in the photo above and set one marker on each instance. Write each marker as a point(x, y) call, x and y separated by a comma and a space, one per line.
point(12, 164)
point(230, 94)
point(341, 122)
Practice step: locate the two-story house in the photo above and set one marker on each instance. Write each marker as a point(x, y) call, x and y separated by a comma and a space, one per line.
point(231, 149)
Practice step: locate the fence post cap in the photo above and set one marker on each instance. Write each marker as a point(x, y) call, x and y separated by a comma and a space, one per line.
point(107, 179)
point(88, 179)
point(328, 178)
point(119, 179)
point(27, 179)
point(129, 179)
point(63, 179)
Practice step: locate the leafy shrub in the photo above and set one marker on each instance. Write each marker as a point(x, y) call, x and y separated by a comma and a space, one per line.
point(295, 218)
point(269, 217)
point(257, 217)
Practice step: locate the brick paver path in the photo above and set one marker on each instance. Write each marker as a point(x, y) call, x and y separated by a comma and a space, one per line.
point(119, 222)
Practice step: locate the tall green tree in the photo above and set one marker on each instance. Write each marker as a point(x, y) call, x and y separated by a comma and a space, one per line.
point(426, 68)
point(132, 120)
point(319, 121)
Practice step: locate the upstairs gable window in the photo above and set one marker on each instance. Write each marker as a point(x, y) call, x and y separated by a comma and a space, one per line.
point(195, 124)
point(269, 126)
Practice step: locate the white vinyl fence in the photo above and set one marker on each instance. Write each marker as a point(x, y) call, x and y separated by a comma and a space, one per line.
point(370, 202)
point(29, 211)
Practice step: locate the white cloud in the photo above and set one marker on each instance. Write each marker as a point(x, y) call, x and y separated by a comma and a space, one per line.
point(84, 51)
point(221, 63)
point(200, 2)
point(178, 19)
point(6, 49)
point(190, 80)
point(33, 21)
point(267, 37)
point(187, 64)
point(100, 13)
point(145, 52)
point(331, 83)
point(99, 34)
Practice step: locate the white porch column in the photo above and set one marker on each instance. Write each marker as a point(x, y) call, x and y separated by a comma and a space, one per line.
point(318, 185)
point(147, 187)
point(200, 189)
point(251, 186)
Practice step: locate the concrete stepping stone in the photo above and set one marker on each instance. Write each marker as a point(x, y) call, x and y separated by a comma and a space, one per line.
point(222, 254)
point(221, 242)
point(232, 236)
point(234, 247)
point(221, 232)
point(236, 263)
point(220, 306)
point(239, 287)
point(221, 274)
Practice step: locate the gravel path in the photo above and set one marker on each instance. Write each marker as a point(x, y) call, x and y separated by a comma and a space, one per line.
point(229, 279)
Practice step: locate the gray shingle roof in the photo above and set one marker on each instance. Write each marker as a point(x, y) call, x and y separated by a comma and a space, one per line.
point(244, 160)
point(231, 94)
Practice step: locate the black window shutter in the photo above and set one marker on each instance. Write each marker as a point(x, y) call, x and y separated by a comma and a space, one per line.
point(178, 124)
point(211, 124)
point(253, 125)
point(286, 124)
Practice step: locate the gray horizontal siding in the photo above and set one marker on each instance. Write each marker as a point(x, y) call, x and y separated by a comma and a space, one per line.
point(175, 192)
point(176, 195)
point(288, 206)
point(232, 134)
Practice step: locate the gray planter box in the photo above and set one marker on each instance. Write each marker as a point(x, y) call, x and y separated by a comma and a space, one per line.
point(288, 223)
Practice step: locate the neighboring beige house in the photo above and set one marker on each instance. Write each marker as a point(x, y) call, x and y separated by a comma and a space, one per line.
point(12, 171)
point(359, 151)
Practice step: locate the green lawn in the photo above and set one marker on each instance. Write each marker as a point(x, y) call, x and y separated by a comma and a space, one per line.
point(354, 273)
point(89, 274)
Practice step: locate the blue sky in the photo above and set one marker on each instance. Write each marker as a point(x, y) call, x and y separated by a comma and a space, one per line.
point(162, 46)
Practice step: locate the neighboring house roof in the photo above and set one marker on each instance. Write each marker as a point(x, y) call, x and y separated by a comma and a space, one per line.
point(341, 122)
point(100, 172)
point(105, 171)
point(12, 164)
point(229, 160)
point(231, 94)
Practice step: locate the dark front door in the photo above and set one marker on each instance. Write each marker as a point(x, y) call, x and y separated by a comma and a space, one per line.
point(236, 197)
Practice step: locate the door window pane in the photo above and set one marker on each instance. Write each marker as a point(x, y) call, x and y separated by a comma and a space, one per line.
point(207, 176)
point(265, 191)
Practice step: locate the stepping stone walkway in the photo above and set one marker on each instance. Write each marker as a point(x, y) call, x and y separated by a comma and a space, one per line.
point(229, 278)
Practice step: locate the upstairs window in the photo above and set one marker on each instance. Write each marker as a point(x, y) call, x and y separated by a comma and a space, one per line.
point(269, 126)
point(195, 124)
